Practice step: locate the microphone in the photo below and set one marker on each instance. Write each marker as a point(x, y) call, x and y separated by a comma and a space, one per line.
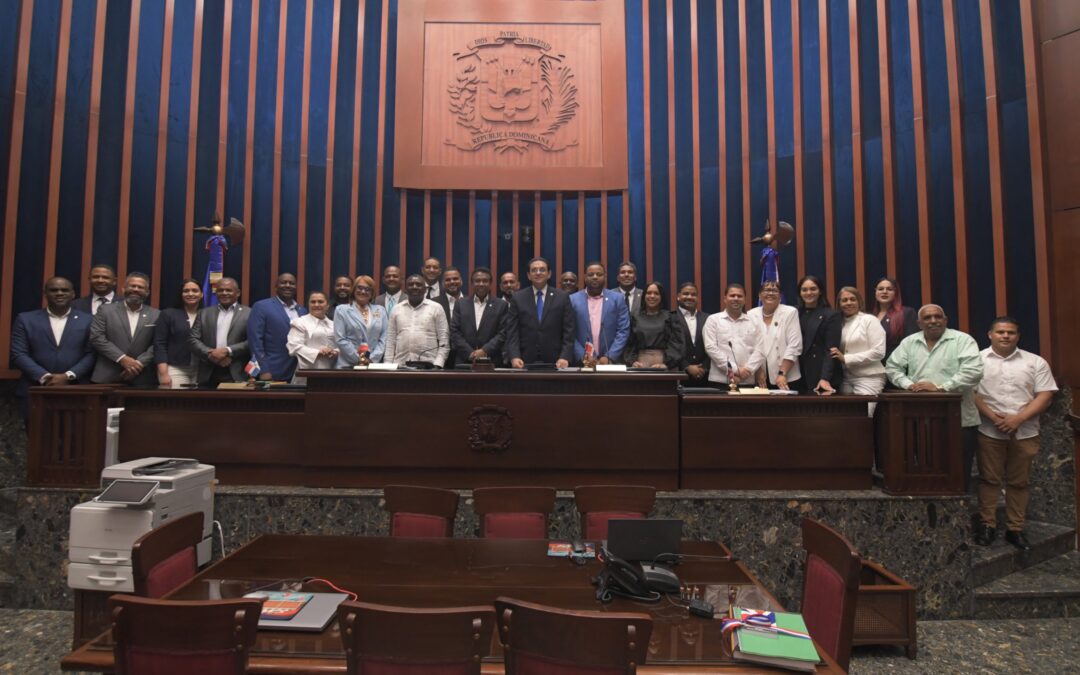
point(416, 362)
point(732, 384)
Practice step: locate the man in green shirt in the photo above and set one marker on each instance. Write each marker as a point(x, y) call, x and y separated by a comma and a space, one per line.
point(941, 359)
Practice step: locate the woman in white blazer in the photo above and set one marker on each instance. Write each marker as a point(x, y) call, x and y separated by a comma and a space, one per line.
point(862, 346)
point(781, 337)
point(311, 338)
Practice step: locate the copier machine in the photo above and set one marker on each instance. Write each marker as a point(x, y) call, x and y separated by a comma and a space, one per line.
point(102, 532)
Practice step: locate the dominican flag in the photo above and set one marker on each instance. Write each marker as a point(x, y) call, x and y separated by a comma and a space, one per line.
point(215, 268)
point(252, 368)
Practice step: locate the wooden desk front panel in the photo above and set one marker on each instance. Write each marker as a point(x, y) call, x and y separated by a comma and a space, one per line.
point(776, 443)
point(473, 430)
point(252, 438)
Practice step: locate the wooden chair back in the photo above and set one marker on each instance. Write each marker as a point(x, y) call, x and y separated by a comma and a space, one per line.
point(514, 512)
point(536, 638)
point(165, 557)
point(174, 637)
point(598, 504)
point(435, 641)
point(420, 511)
point(830, 588)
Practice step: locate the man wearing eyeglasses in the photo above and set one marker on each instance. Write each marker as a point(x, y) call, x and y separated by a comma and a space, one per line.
point(541, 325)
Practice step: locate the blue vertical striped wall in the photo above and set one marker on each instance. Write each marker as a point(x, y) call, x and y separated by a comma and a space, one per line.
point(644, 80)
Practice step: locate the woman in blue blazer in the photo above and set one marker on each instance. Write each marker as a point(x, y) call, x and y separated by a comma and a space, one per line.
point(358, 323)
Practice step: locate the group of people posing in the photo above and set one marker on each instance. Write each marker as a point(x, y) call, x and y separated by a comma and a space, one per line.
point(810, 347)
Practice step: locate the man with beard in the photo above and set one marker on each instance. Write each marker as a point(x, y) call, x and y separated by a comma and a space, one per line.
point(628, 287)
point(342, 295)
point(103, 290)
point(731, 339)
point(268, 330)
point(219, 336)
point(122, 334)
point(602, 318)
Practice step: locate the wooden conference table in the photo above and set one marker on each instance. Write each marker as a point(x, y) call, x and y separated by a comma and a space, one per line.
point(449, 572)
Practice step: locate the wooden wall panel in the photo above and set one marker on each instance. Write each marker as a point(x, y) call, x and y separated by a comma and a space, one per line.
point(673, 80)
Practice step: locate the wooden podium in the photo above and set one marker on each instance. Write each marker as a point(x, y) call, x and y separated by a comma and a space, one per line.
point(66, 444)
point(920, 443)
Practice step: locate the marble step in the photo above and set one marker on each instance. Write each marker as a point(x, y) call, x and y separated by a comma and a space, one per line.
point(1001, 559)
point(1050, 589)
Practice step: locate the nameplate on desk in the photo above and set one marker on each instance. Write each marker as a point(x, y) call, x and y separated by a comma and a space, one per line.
point(611, 368)
point(377, 366)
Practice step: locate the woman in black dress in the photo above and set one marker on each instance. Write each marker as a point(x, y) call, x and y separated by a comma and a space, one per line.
point(656, 339)
point(821, 330)
point(897, 320)
point(176, 366)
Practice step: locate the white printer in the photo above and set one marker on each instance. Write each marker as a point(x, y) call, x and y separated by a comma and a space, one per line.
point(102, 532)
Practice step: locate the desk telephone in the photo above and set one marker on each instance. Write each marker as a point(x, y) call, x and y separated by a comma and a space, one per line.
point(637, 581)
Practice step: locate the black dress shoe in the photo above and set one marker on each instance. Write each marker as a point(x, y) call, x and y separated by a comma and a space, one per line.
point(984, 534)
point(1018, 539)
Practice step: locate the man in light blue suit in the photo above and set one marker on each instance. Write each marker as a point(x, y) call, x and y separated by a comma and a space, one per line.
point(268, 330)
point(602, 318)
point(51, 346)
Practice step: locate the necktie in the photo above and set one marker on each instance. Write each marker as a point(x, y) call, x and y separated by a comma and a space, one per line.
point(430, 290)
point(99, 301)
point(390, 302)
point(628, 305)
point(539, 306)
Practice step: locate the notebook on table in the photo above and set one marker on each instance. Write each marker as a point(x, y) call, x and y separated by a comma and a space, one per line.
point(310, 612)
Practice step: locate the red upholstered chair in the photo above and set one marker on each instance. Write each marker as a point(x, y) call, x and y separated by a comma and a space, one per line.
point(600, 503)
point(514, 512)
point(382, 640)
point(540, 640)
point(830, 587)
point(420, 511)
point(176, 637)
point(164, 558)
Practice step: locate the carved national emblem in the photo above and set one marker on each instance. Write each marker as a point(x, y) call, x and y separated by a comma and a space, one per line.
point(511, 91)
point(491, 428)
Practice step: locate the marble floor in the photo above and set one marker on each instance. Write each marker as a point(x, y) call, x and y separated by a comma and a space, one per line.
point(32, 641)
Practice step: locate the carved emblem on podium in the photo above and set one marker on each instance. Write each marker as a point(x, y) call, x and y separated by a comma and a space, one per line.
point(491, 428)
point(512, 91)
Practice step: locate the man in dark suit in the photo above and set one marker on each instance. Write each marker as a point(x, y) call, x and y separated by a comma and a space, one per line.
point(103, 287)
point(268, 330)
point(696, 362)
point(219, 337)
point(451, 293)
point(540, 326)
point(627, 277)
point(122, 334)
point(478, 328)
point(51, 346)
point(391, 287)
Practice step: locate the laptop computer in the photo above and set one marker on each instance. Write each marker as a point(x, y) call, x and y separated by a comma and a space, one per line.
point(639, 540)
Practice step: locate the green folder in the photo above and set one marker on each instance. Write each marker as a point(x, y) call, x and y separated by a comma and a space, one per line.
point(784, 647)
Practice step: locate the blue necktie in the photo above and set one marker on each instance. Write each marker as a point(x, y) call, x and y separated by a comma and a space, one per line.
point(539, 306)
